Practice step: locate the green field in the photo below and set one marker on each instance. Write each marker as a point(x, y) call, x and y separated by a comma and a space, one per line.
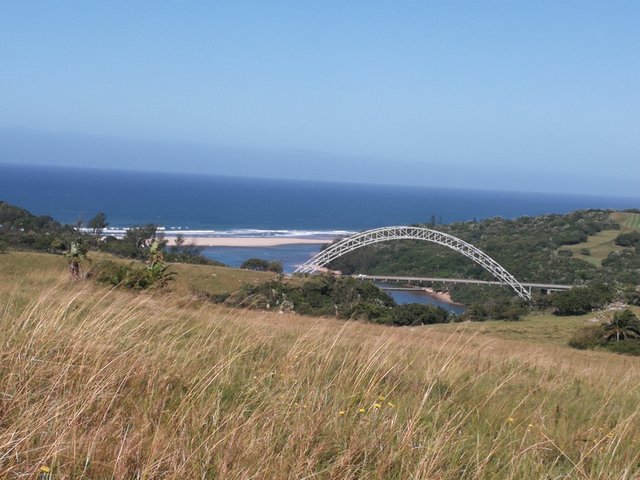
point(628, 221)
point(602, 244)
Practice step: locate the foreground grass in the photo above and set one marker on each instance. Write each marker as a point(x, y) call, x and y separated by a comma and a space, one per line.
point(98, 383)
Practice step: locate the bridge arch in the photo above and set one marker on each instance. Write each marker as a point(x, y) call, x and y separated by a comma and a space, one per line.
point(385, 234)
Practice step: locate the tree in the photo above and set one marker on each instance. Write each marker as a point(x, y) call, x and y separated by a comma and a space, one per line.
point(255, 264)
point(624, 325)
point(141, 236)
point(97, 224)
point(275, 266)
point(631, 239)
point(76, 254)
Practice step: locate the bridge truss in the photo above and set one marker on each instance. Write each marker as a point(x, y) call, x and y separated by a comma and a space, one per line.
point(385, 234)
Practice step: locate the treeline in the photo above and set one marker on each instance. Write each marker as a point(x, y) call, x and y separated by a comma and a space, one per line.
point(334, 296)
point(20, 229)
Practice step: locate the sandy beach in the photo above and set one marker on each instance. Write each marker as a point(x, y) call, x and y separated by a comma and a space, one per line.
point(442, 296)
point(248, 241)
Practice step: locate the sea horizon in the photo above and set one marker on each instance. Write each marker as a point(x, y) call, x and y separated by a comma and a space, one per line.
point(265, 207)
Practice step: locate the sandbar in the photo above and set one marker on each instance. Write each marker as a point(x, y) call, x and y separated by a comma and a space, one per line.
point(442, 296)
point(248, 241)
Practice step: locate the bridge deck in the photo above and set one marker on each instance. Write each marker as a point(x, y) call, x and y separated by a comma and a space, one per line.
point(463, 281)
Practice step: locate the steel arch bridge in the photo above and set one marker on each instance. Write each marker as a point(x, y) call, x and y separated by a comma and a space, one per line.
point(384, 234)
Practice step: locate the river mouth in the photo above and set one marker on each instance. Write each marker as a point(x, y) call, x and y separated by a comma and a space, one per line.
point(423, 297)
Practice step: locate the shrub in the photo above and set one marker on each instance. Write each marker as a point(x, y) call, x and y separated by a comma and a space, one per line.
point(3, 246)
point(495, 309)
point(131, 276)
point(623, 326)
point(416, 314)
point(625, 347)
point(581, 300)
point(587, 337)
point(631, 239)
point(255, 264)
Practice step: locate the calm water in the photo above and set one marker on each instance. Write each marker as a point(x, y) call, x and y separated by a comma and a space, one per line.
point(204, 205)
point(410, 296)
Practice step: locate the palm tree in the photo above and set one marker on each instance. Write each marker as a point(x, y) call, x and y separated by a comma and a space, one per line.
point(76, 254)
point(623, 326)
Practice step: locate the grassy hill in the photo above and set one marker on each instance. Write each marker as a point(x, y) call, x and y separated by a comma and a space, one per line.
point(602, 243)
point(104, 383)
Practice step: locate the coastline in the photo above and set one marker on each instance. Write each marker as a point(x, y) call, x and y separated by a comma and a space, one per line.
point(249, 241)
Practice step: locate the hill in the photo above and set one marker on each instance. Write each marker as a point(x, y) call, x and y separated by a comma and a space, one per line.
point(598, 247)
point(534, 249)
point(98, 382)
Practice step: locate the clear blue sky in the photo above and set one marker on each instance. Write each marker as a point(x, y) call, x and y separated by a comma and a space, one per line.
point(541, 96)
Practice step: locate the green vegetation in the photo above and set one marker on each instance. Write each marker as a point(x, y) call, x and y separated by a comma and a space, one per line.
point(332, 296)
point(628, 219)
point(19, 229)
point(581, 300)
point(602, 244)
point(262, 265)
point(154, 274)
point(545, 249)
point(631, 239)
point(76, 255)
point(498, 308)
point(620, 335)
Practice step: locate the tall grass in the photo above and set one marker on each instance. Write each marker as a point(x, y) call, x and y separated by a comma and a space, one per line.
point(106, 384)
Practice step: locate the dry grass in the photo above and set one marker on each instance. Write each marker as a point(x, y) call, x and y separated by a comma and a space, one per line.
point(97, 383)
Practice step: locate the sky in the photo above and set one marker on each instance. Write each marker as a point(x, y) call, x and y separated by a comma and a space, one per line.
point(535, 96)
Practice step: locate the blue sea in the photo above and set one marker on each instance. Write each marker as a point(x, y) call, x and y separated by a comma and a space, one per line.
point(233, 206)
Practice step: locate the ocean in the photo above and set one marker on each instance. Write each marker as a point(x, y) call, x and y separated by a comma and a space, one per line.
point(234, 206)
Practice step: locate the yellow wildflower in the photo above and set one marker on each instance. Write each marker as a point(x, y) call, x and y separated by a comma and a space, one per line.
point(510, 419)
point(45, 469)
point(361, 410)
point(530, 425)
point(391, 404)
point(381, 398)
point(376, 405)
point(341, 413)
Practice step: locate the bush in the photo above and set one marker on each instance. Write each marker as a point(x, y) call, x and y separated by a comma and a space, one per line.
point(261, 265)
point(416, 314)
point(130, 275)
point(581, 300)
point(631, 239)
point(625, 347)
point(495, 309)
point(3, 246)
point(255, 264)
point(587, 337)
point(631, 296)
